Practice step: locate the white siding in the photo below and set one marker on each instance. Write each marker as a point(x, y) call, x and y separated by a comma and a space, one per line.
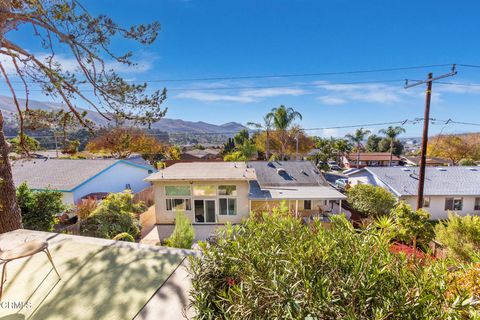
point(437, 206)
point(166, 217)
point(114, 179)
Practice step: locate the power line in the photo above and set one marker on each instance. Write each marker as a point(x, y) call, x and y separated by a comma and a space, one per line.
point(291, 75)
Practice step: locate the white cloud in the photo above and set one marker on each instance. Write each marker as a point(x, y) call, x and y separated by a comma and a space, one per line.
point(244, 96)
point(331, 133)
point(332, 100)
point(374, 93)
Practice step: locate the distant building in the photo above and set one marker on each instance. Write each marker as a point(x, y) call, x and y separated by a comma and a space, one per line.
point(199, 154)
point(455, 189)
point(369, 159)
point(79, 178)
point(432, 161)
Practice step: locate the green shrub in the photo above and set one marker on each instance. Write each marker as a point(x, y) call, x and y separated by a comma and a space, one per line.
point(124, 237)
point(39, 208)
point(183, 234)
point(274, 267)
point(413, 226)
point(467, 162)
point(460, 236)
point(114, 215)
point(30, 144)
point(370, 201)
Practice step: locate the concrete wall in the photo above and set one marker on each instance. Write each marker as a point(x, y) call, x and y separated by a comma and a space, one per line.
point(114, 179)
point(437, 206)
point(166, 217)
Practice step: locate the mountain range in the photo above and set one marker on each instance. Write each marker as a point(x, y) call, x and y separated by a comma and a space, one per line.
point(7, 106)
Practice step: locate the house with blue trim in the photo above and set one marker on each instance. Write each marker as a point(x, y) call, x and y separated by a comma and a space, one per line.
point(77, 179)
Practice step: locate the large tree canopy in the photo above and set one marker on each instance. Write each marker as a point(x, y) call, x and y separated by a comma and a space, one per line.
point(65, 27)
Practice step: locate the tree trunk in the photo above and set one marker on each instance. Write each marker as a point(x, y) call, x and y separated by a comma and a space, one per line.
point(391, 153)
point(10, 217)
point(358, 156)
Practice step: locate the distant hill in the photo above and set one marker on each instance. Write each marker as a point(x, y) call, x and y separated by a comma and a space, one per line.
point(9, 111)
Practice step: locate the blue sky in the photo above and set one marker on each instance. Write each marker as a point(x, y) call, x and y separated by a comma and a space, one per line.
point(203, 39)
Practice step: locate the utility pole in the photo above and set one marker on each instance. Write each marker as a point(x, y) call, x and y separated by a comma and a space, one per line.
point(426, 120)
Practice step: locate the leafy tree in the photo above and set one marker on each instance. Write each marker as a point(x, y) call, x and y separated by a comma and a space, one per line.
point(174, 153)
point(391, 134)
point(122, 142)
point(183, 234)
point(114, 215)
point(451, 147)
point(65, 26)
point(30, 144)
point(460, 235)
point(370, 201)
point(385, 146)
point(124, 237)
point(343, 147)
point(413, 226)
point(372, 143)
point(39, 208)
point(240, 138)
point(229, 146)
point(357, 139)
point(272, 266)
point(305, 143)
point(267, 127)
point(282, 119)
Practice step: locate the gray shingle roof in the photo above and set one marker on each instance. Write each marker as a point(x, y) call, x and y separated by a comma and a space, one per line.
point(442, 181)
point(58, 174)
point(296, 173)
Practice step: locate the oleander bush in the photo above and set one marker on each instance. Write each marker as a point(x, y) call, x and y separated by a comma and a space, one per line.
point(460, 236)
point(272, 266)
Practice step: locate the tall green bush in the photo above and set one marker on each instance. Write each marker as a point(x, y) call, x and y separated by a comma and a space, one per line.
point(370, 201)
point(413, 225)
point(39, 208)
point(274, 267)
point(114, 215)
point(460, 236)
point(183, 234)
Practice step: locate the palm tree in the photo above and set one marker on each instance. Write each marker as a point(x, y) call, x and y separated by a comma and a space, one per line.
point(282, 118)
point(267, 126)
point(391, 133)
point(357, 140)
point(342, 146)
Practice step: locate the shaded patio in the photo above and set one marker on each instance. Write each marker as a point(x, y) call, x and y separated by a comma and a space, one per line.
point(101, 279)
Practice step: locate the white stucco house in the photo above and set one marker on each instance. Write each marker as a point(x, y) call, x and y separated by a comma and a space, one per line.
point(453, 188)
point(219, 192)
point(79, 178)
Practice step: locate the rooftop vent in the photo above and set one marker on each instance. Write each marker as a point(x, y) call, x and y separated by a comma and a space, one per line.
point(281, 171)
point(405, 169)
point(473, 169)
point(303, 171)
point(270, 164)
point(441, 169)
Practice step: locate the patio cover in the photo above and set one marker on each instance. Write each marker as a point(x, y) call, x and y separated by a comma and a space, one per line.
point(294, 193)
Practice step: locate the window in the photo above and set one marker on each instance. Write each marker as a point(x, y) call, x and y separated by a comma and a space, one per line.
point(177, 190)
point(228, 206)
point(307, 204)
point(454, 204)
point(227, 190)
point(477, 204)
point(426, 202)
point(179, 204)
point(204, 190)
point(128, 186)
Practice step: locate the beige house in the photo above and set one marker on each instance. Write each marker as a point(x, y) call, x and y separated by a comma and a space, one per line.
point(221, 192)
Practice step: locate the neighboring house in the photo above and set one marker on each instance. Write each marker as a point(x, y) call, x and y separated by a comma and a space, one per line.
point(221, 192)
point(198, 154)
point(452, 188)
point(79, 178)
point(369, 159)
point(434, 162)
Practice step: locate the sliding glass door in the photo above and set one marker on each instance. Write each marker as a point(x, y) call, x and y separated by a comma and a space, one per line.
point(204, 211)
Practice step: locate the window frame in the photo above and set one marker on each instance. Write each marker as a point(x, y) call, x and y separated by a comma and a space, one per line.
point(178, 195)
point(215, 192)
point(227, 199)
point(454, 200)
point(186, 203)
point(426, 202)
point(304, 204)
point(476, 206)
